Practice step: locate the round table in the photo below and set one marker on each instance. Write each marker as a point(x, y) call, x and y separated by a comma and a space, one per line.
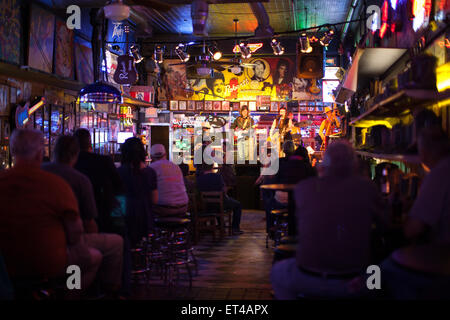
point(289, 188)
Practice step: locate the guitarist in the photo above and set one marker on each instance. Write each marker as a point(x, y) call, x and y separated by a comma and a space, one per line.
point(328, 126)
point(242, 126)
point(283, 124)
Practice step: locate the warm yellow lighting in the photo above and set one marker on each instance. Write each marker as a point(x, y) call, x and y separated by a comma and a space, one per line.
point(388, 122)
point(443, 77)
point(36, 106)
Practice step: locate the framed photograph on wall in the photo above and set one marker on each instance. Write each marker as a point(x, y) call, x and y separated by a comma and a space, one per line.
point(243, 103)
point(217, 105)
point(208, 105)
point(252, 105)
point(236, 106)
point(225, 105)
point(164, 105)
point(173, 105)
point(182, 105)
point(191, 105)
point(199, 106)
point(274, 106)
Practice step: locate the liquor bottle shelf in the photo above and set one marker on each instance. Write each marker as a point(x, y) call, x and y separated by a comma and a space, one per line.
point(410, 158)
point(400, 101)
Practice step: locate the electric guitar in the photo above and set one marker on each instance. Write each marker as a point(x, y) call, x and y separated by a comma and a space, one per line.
point(126, 71)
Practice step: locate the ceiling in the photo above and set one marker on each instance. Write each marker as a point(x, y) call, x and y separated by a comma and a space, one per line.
point(173, 17)
point(220, 18)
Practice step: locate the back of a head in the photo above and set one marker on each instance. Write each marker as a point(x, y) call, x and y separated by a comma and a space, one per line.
point(288, 147)
point(133, 152)
point(339, 159)
point(157, 152)
point(84, 139)
point(66, 149)
point(302, 152)
point(25, 143)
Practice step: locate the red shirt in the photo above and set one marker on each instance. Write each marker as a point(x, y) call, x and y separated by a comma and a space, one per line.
point(33, 204)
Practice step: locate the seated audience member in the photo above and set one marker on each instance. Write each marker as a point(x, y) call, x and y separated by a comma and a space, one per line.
point(334, 217)
point(210, 181)
point(40, 227)
point(294, 168)
point(140, 193)
point(104, 178)
point(427, 226)
point(140, 188)
point(65, 155)
point(429, 217)
point(189, 184)
point(172, 196)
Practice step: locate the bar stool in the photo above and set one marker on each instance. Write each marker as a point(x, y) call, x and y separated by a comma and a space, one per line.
point(279, 228)
point(139, 261)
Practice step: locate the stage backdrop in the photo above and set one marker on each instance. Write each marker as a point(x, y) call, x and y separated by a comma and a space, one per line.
point(272, 77)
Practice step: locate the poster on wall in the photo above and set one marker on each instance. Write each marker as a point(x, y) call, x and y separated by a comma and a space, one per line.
point(83, 60)
point(41, 39)
point(225, 105)
point(10, 30)
point(173, 105)
point(64, 50)
point(306, 89)
point(191, 105)
point(199, 106)
point(273, 77)
point(3, 99)
point(217, 105)
point(208, 106)
point(182, 105)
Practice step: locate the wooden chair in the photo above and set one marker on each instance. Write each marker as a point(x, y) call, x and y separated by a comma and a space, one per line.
point(200, 220)
point(213, 202)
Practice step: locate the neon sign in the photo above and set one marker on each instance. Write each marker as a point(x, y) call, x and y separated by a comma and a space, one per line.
point(253, 47)
point(421, 13)
point(384, 19)
point(23, 113)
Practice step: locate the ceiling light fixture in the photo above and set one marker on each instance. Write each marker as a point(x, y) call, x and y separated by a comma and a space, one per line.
point(245, 50)
point(305, 45)
point(158, 54)
point(327, 37)
point(278, 50)
point(134, 50)
point(181, 51)
point(215, 53)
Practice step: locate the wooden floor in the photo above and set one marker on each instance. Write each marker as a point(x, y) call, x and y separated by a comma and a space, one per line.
point(235, 268)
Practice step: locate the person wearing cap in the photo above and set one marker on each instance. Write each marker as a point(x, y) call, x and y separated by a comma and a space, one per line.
point(172, 195)
point(328, 125)
point(243, 125)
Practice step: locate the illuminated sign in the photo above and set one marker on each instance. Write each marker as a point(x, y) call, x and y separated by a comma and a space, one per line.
point(421, 13)
point(23, 113)
point(253, 47)
point(384, 18)
point(126, 115)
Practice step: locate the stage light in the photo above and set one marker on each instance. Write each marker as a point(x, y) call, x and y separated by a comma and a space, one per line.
point(158, 54)
point(214, 52)
point(181, 51)
point(305, 45)
point(134, 50)
point(278, 50)
point(245, 50)
point(327, 37)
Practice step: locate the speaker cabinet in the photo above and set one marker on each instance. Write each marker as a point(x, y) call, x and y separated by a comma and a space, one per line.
point(310, 65)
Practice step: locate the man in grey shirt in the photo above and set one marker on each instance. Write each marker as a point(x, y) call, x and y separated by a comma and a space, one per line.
point(334, 219)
